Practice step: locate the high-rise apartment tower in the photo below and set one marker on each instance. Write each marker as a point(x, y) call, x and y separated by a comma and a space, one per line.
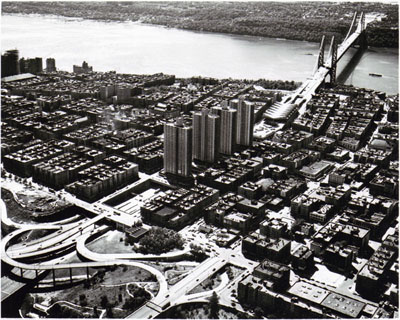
point(245, 122)
point(50, 64)
point(10, 63)
point(227, 128)
point(178, 148)
point(206, 136)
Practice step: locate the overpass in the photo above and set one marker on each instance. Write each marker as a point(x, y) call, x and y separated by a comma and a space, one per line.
point(37, 268)
point(179, 293)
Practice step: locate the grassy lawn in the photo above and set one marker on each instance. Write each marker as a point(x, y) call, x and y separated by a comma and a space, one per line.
point(174, 276)
point(208, 284)
point(159, 266)
point(172, 272)
point(233, 271)
point(111, 285)
point(127, 274)
point(110, 243)
point(215, 280)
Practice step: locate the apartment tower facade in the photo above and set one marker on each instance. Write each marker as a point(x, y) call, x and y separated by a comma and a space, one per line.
point(178, 148)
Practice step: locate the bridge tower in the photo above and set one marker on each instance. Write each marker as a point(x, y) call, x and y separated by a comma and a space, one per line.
point(362, 21)
point(362, 39)
point(351, 26)
point(321, 53)
point(333, 55)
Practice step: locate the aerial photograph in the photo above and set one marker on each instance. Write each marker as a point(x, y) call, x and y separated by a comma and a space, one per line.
point(199, 159)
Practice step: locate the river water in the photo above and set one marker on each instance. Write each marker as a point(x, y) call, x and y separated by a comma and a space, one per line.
point(130, 47)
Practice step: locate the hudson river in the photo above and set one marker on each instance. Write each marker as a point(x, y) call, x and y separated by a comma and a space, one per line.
point(129, 47)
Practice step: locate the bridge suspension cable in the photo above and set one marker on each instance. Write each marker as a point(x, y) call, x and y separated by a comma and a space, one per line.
point(321, 52)
point(361, 23)
point(320, 59)
point(351, 26)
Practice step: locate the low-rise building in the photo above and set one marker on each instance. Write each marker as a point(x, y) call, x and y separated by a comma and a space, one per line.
point(316, 170)
point(373, 276)
point(274, 228)
point(322, 144)
point(351, 172)
point(21, 162)
point(287, 189)
point(255, 207)
point(103, 178)
point(374, 156)
point(275, 272)
point(149, 157)
point(302, 258)
point(59, 171)
point(175, 208)
point(338, 256)
point(335, 231)
point(339, 154)
point(258, 246)
point(321, 215)
point(274, 171)
point(298, 139)
point(134, 234)
point(239, 221)
point(250, 190)
point(385, 183)
point(337, 196)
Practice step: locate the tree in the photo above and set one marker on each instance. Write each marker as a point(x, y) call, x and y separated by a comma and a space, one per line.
point(104, 301)
point(160, 240)
point(86, 284)
point(214, 306)
point(56, 311)
point(179, 313)
point(95, 312)
point(82, 300)
point(109, 312)
point(101, 274)
point(259, 312)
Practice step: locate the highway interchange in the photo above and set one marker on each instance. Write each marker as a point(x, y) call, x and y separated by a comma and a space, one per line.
point(73, 233)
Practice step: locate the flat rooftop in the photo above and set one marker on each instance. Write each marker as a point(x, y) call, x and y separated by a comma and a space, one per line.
point(18, 77)
point(343, 305)
point(309, 292)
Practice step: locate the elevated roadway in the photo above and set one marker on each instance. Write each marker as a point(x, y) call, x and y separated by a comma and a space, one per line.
point(308, 88)
point(64, 237)
point(178, 292)
point(49, 265)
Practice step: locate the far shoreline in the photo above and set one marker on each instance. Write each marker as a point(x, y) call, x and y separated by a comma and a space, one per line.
point(138, 22)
